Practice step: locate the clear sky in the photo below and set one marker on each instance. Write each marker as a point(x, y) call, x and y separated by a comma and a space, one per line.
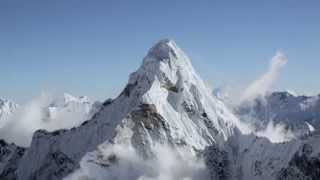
point(89, 47)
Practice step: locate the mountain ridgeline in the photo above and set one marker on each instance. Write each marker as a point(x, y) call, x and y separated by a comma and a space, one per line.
point(165, 117)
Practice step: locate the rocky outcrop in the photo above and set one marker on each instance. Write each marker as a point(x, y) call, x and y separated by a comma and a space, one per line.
point(10, 156)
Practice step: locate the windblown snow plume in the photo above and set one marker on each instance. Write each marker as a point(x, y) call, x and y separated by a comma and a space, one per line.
point(45, 112)
point(122, 162)
point(276, 133)
point(264, 83)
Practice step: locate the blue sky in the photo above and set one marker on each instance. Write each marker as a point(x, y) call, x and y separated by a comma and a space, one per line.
point(89, 47)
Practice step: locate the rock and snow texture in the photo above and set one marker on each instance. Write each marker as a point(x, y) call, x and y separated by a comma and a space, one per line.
point(299, 114)
point(7, 108)
point(254, 158)
point(17, 124)
point(10, 156)
point(165, 125)
point(164, 102)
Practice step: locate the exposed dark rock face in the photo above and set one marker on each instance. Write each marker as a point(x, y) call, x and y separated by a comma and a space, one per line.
point(148, 122)
point(218, 163)
point(291, 173)
point(257, 168)
point(189, 108)
point(167, 84)
point(10, 156)
point(149, 117)
point(58, 164)
point(171, 88)
point(302, 166)
point(107, 102)
point(128, 89)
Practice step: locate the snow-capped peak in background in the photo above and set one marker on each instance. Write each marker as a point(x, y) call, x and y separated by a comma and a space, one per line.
point(7, 108)
point(7, 104)
point(70, 98)
point(18, 123)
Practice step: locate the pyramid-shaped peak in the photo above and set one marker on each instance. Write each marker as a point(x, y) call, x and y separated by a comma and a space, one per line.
point(165, 44)
point(167, 52)
point(167, 61)
point(164, 49)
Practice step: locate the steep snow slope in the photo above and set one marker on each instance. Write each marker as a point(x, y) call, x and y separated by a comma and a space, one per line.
point(222, 93)
point(7, 108)
point(300, 114)
point(164, 102)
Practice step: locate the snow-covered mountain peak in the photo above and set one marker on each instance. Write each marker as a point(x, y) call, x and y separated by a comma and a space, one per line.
point(167, 79)
point(7, 104)
point(165, 105)
point(165, 58)
point(70, 98)
point(168, 66)
point(7, 108)
point(164, 49)
point(164, 102)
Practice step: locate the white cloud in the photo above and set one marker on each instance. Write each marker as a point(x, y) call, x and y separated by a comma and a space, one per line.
point(276, 133)
point(266, 81)
point(167, 164)
point(39, 113)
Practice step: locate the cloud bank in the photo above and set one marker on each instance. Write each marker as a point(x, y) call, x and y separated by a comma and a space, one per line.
point(167, 164)
point(44, 112)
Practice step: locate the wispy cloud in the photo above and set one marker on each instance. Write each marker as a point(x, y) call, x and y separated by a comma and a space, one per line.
point(166, 164)
point(40, 114)
point(265, 82)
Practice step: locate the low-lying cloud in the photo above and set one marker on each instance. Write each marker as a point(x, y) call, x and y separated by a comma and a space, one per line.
point(276, 133)
point(41, 113)
point(167, 164)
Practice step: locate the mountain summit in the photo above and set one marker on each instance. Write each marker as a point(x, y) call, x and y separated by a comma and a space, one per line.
point(165, 124)
point(164, 102)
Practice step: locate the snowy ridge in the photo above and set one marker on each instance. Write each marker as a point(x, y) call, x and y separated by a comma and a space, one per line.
point(164, 102)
